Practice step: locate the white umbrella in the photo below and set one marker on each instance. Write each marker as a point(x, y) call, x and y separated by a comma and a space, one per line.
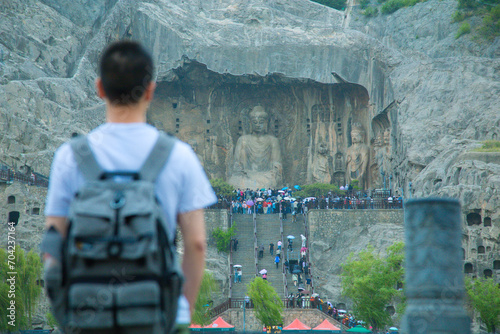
point(290, 237)
point(259, 199)
point(263, 271)
point(315, 295)
point(287, 198)
point(393, 329)
point(342, 311)
point(237, 266)
point(281, 191)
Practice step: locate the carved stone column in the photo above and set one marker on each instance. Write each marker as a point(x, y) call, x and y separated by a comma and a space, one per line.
point(434, 268)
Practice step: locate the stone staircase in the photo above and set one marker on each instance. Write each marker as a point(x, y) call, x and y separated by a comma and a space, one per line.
point(295, 229)
point(268, 230)
point(245, 255)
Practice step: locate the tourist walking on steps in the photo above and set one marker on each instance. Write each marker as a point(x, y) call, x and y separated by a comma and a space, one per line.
point(277, 261)
point(261, 251)
point(271, 248)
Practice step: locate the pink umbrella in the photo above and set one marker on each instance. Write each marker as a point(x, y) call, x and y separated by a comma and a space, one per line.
point(303, 249)
point(250, 203)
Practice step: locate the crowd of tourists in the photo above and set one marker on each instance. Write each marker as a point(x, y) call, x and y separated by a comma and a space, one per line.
point(272, 201)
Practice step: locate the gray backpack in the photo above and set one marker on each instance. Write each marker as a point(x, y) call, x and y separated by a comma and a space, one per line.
point(119, 271)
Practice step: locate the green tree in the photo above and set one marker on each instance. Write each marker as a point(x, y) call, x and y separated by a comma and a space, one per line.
point(484, 295)
point(223, 238)
point(28, 269)
point(201, 315)
point(267, 303)
point(370, 281)
point(318, 189)
point(222, 188)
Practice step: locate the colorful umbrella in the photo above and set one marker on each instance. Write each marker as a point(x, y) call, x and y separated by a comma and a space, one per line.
point(358, 329)
point(263, 271)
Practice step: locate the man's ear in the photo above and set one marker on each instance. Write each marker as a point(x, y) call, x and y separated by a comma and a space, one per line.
point(99, 88)
point(149, 92)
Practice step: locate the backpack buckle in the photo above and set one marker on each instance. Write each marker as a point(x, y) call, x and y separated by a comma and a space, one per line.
point(118, 201)
point(114, 249)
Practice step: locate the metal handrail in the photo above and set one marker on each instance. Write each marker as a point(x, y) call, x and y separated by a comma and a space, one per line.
point(231, 269)
point(9, 176)
point(285, 282)
point(255, 243)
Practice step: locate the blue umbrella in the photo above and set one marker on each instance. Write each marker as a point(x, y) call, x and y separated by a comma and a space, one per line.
point(296, 187)
point(284, 188)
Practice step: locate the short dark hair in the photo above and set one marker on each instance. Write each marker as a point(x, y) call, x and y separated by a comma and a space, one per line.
point(126, 69)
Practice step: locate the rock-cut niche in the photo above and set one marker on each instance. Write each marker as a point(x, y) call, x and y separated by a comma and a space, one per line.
point(268, 131)
point(473, 218)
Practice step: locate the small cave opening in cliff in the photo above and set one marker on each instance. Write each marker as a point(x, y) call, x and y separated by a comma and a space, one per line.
point(11, 199)
point(488, 273)
point(35, 211)
point(496, 264)
point(481, 250)
point(391, 310)
point(463, 254)
point(487, 221)
point(473, 219)
point(14, 217)
point(468, 268)
point(341, 306)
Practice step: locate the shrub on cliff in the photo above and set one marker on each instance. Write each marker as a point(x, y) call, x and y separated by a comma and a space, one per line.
point(222, 188)
point(223, 238)
point(489, 146)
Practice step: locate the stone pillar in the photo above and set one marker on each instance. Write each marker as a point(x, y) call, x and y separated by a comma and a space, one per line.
point(434, 268)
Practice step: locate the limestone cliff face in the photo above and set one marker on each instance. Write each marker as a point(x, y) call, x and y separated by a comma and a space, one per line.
point(430, 97)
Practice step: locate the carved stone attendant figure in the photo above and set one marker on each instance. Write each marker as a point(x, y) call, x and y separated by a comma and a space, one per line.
point(257, 156)
point(320, 165)
point(357, 156)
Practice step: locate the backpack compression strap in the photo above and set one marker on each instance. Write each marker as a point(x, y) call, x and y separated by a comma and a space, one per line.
point(85, 159)
point(157, 158)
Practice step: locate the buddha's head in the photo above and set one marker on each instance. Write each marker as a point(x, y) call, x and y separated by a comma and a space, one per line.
point(357, 133)
point(259, 120)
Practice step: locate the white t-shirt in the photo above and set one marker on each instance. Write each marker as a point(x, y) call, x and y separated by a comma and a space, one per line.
point(182, 185)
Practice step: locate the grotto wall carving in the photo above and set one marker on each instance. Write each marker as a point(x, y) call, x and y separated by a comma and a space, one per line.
point(268, 131)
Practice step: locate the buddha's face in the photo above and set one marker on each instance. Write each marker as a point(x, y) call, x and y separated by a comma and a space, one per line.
point(357, 135)
point(258, 119)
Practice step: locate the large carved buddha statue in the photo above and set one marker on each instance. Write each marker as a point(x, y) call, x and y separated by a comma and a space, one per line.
point(257, 156)
point(357, 156)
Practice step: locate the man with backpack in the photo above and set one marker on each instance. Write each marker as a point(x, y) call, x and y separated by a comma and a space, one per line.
point(115, 199)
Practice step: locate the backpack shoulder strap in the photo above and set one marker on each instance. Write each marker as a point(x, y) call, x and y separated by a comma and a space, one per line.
point(157, 158)
point(85, 159)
